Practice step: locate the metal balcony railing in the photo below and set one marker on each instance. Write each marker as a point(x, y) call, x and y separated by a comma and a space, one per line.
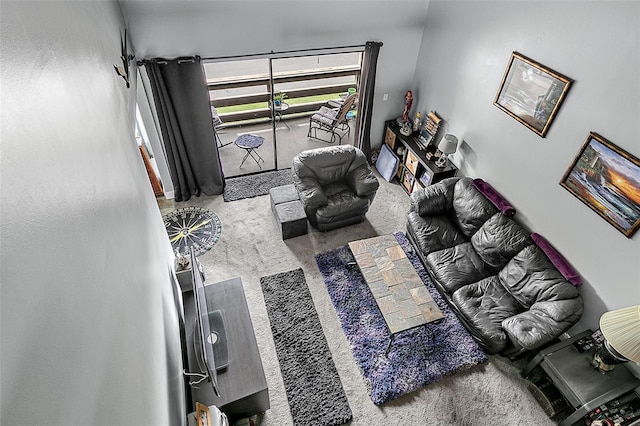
point(296, 98)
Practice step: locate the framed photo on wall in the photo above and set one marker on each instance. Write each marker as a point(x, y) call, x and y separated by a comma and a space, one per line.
point(531, 93)
point(607, 179)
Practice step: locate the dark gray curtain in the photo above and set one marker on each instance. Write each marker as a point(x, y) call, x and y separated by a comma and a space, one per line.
point(183, 106)
point(366, 97)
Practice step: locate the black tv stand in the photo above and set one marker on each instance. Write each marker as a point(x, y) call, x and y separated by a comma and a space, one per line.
point(242, 384)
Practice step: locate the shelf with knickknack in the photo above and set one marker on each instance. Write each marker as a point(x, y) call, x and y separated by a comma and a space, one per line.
point(417, 155)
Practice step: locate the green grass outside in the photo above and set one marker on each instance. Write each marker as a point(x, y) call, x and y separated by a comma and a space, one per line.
point(259, 105)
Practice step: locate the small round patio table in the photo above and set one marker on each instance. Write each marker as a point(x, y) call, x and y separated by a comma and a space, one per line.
point(250, 143)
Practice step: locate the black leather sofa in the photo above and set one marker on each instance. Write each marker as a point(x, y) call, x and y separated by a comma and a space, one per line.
point(501, 283)
point(335, 184)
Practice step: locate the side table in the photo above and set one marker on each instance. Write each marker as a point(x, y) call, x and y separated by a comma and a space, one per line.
point(278, 111)
point(250, 143)
point(562, 369)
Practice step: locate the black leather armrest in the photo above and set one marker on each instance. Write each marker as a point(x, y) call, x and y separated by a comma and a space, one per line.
point(363, 181)
point(310, 192)
point(434, 199)
point(543, 322)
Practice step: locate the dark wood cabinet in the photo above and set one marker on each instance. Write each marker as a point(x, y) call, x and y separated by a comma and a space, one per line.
point(417, 163)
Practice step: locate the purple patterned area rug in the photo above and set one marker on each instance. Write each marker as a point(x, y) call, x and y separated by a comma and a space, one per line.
point(417, 357)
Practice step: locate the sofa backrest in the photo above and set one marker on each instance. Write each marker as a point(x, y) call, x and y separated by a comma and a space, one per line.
point(499, 239)
point(530, 277)
point(471, 209)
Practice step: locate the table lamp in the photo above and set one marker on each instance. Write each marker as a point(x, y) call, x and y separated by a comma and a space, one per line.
point(621, 331)
point(447, 145)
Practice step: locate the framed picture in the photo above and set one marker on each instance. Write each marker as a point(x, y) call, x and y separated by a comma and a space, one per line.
point(425, 179)
point(425, 139)
point(607, 179)
point(203, 417)
point(531, 93)
point(407, 181)
point(430, 128)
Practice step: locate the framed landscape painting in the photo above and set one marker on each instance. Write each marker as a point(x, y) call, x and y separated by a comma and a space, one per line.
point(607, 179)
point(531, 93)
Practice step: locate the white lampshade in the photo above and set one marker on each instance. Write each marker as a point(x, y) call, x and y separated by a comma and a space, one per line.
point(621, 328)
point(448, 144)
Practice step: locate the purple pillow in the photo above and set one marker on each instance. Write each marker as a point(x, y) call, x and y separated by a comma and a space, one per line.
point(557, 259)
point(494, 196)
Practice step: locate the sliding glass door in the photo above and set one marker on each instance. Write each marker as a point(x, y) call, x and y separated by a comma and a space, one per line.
point(264, 105)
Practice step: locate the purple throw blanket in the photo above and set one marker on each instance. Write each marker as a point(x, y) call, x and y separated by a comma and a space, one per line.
point(494, 196)
point(557, 259)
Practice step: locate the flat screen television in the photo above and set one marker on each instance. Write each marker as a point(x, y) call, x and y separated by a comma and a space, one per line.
point(209, 334)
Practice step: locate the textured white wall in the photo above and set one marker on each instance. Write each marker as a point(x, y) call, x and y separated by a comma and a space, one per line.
point(89, 327)
point(464, 53)
point(222, 28)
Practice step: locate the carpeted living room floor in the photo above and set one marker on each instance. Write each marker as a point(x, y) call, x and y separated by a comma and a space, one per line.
point(251, 247)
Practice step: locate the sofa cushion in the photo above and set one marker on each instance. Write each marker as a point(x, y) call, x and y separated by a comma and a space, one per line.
point(471, 209)
point(433, 233)
point(457, 266)
point(485, 304)
point(530, 277)
point(342, 202)
point(499, 239)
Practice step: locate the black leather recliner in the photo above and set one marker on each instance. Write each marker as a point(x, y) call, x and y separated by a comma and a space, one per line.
point(335, 184)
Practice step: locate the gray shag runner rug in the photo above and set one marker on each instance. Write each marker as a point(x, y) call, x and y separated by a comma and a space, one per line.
point(251, 186)
point(311, 380)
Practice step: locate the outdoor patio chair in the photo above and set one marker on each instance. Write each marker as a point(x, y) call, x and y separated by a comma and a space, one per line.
point(332, 121)
point(217, 126)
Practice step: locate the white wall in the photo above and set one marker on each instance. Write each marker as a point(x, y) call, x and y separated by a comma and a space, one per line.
point(464, 53)
point(223, 28)
point(89, 326)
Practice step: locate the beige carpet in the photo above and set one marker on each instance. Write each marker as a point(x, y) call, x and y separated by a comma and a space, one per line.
point(250, 247)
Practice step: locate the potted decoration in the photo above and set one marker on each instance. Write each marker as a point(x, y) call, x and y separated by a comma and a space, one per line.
point(278, 97)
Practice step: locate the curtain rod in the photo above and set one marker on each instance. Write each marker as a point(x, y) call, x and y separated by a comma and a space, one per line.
point(272, 53)
point(162, 61)
point(285, 52)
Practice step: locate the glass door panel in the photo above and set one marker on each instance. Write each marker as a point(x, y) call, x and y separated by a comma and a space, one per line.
point(239, 92)
point(308, 83)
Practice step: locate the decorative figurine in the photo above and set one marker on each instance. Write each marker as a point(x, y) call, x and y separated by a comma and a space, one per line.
point(408, 101)
point(406, 129)
point(403, 120)
point(416, 122)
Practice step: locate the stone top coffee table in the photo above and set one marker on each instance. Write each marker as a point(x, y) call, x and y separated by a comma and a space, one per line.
point(401, 295)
